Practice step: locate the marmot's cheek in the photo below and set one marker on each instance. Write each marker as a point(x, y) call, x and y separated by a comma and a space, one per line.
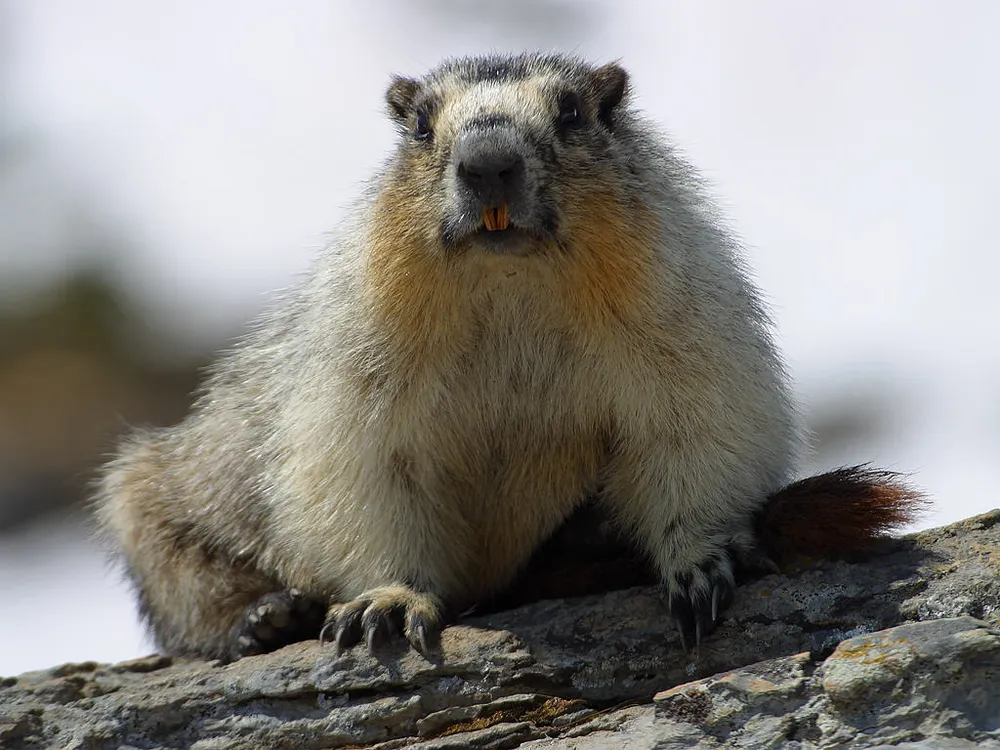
point(458, 221)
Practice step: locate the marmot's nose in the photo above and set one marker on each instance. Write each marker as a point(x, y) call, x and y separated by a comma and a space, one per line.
point(493, 176)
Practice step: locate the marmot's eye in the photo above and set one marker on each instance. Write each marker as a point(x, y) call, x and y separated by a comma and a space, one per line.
point(422, 130)
point(570, 112)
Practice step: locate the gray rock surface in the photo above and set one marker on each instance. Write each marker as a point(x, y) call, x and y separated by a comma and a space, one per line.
point(931, 682)
point(905, 653)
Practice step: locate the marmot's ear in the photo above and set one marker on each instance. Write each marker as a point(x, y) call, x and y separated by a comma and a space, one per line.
point(611, 84)
point(399, 97)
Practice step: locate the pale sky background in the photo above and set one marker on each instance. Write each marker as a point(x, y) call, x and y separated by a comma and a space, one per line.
point(853, 145)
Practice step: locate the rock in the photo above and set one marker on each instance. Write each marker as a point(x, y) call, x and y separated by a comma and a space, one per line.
point(927, 682)
point(898, 647)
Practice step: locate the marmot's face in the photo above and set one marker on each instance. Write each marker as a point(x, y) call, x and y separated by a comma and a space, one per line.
point(506, 151)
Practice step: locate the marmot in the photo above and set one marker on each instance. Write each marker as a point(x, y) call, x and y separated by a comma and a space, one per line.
point(533, 303)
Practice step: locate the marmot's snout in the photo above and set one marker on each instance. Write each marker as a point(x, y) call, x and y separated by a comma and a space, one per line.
point(494, 189)
point(490, 170)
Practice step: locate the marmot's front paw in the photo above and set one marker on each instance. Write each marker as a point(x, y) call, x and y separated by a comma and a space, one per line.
point(384, 613)
point(275, 620)
point(698, 595)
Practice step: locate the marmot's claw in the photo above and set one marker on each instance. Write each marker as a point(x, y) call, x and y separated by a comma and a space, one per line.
point(348, 633)
point(275, 620)
point(697, 598)
point(418, 637)
point(680, 632)
point(379, 616)
point(423, 635)
point(345, 624)
point(380, 625)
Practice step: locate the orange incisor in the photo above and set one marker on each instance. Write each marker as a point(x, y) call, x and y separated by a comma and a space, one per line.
point(496, 218)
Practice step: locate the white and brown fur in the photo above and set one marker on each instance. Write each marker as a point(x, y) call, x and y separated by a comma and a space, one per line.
point(402, 431)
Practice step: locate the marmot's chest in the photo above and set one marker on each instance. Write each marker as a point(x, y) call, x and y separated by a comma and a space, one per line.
point(529, 425)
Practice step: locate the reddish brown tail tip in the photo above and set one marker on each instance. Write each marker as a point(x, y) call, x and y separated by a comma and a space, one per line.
point(836, 512)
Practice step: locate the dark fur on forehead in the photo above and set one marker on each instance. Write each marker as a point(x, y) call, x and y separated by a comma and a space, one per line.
point(606, 85)
point(510, 68)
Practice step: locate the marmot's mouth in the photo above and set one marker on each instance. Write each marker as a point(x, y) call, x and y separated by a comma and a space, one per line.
point(496, 218)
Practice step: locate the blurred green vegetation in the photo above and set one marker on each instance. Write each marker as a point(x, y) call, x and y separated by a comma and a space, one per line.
point(72, 378)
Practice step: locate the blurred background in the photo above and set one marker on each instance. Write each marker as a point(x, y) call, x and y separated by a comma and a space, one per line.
point(163, 166)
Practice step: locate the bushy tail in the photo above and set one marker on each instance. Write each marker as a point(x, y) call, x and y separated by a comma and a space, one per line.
point(836, 512)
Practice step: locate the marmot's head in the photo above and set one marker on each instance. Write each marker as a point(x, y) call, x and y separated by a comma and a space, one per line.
point(506, 153)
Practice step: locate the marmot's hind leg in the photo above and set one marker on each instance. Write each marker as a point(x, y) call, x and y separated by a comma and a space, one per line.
point(209, 608)
point(195, 604)
point(197, 597)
